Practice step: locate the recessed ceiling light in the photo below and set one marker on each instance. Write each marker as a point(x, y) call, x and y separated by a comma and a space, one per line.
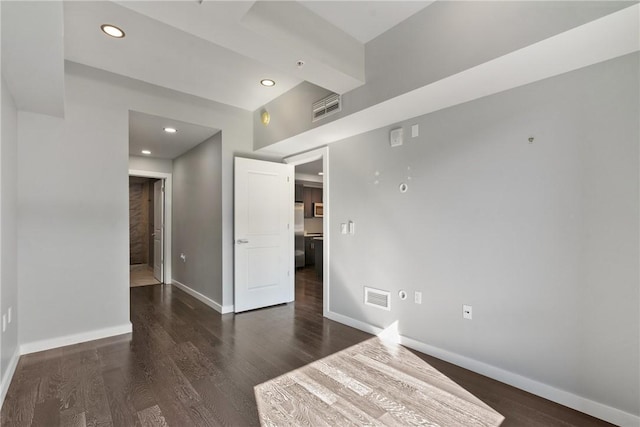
point(267, 82)
point(112, 30)
point(147, 152)
point(170, 130)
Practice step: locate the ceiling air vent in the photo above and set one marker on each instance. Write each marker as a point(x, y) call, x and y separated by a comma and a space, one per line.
point(326, 107)
point(377, 298)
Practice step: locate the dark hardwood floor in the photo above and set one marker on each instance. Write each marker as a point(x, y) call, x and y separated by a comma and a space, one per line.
point(187, 365)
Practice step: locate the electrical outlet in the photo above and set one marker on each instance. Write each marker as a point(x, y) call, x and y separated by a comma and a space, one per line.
point(9, 314)
point(417, 297)
point(467, 312)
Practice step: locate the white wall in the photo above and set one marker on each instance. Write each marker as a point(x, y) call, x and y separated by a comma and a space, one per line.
point(197, 218)
point(290, 114)
point(448, 37)
point(150, 164)
point(8, 234)
point(73, 201)
point(541, 239)
point(73, 223)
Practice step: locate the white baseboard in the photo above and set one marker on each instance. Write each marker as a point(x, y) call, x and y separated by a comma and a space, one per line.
point(349, 321)
point(48, 344)
point(222, 309)
point(593, 408)
point(8, 375)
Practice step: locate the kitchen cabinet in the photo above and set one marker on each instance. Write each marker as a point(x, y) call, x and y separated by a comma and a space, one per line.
point(317, 243)
point(299, 194)
point(310, 196)
point(309, 251)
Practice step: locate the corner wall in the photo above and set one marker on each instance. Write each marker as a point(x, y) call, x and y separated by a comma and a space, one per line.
point(541, 239)
point(197, 219)
point(8, 238)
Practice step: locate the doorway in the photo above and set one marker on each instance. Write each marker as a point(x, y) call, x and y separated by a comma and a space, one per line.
point(149, 228)
point(312, 226)
point(145, 231)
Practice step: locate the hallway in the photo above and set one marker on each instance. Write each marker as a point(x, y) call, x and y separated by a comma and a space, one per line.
point(141, 275)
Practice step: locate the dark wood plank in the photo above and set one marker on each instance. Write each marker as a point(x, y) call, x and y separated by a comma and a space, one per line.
point(186, 364)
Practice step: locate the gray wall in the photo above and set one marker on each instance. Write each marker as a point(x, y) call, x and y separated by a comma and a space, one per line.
point(541, 239)
point(74, 219)
point(441, 40)
point(73, 202)
point(290, 114)
point(197, 218)
point(8, 234)
point(150, 164)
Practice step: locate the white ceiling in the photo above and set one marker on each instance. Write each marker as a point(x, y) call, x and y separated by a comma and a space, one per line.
point(365, 20)
point(605, 38)
point(165, 56)
point(220, 50)
point(146, 132)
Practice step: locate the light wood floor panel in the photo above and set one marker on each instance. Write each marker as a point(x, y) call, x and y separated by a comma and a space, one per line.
point(141, 275)
point(359, 382)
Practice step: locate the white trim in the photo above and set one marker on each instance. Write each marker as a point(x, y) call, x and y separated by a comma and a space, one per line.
point(222, 309)
point(8, 375)
point(354, 323)
point(310, 156)
point(309, 178)
point(579, 403)
point(97, 334)
point(168, 197)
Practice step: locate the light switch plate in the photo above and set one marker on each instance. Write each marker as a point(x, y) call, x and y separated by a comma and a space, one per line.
point(415, 131)
point(417, 297)
point(4, 322)
point(343, 228)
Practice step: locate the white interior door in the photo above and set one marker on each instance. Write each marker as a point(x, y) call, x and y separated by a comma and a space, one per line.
point(158, 230)
point(263, 231)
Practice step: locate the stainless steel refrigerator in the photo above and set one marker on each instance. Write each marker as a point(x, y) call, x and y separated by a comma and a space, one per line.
point(299, 234)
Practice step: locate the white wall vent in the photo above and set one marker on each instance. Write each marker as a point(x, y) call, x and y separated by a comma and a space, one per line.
point(377, 298)
point(326, 107)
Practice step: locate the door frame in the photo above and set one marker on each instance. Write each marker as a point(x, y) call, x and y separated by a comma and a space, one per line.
point(166, 177)
point(302, 158)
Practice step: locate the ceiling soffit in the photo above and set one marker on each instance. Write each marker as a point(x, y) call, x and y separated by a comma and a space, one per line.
point(277, 34)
